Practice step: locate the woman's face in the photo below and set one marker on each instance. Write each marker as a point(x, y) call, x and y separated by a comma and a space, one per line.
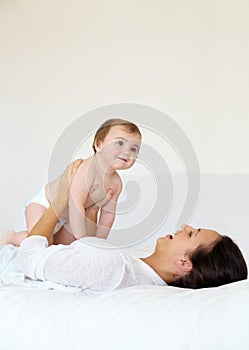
point(185, 240)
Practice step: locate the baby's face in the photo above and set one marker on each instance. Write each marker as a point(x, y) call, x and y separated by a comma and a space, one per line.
point(120, 147)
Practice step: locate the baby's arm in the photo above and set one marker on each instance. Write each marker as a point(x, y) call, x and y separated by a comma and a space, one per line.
point(107, 214)
point(92, 213)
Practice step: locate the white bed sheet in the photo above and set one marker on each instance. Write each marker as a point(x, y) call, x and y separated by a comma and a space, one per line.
point(144, 317)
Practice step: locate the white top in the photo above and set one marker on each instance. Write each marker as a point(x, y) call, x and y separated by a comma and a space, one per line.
point(81, 265)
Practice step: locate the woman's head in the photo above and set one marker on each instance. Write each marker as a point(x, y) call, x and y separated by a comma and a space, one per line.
point(215, 265)
point(198, 258)
point(105, 128)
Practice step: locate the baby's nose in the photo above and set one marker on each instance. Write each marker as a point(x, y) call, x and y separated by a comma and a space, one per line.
point(126, 150)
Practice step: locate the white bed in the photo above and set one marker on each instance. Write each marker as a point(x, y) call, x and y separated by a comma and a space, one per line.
point(149, 317)
point(39, 316)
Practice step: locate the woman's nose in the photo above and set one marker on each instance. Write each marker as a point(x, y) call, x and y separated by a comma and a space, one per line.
point(186, 228)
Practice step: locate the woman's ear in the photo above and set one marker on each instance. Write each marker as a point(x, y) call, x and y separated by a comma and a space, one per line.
point(184, 264)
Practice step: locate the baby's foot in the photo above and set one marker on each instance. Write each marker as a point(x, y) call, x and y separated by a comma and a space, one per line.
point(7, 238)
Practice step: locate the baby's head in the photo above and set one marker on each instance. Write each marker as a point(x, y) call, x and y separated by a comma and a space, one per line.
point(105, 128)
point(118, 142)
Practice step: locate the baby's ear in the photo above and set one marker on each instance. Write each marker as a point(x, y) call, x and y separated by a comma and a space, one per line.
point(98, 145)
point(184, 264)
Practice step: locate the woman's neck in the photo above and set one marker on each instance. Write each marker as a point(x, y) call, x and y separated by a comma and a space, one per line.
point(161, 269)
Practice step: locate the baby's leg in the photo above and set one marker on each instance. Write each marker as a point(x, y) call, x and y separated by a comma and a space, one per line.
point(64, 236)
point(13, 237)
point(34, 212)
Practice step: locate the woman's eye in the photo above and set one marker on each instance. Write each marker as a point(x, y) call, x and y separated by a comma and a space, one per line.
point(190, 234)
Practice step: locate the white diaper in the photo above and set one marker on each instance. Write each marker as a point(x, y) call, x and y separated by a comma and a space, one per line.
point(40, 198)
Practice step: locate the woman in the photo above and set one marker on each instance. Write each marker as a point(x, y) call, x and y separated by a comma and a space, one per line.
point(192, 258)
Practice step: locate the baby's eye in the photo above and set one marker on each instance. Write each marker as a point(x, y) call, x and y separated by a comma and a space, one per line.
point(134, 150)
point(120, 142)
point(190, 234)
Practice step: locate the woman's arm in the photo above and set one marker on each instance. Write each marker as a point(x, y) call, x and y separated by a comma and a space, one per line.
point(45, 226)
point(78, 195)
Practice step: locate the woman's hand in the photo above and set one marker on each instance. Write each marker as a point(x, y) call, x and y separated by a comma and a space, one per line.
point(46, 224)
point(64, 182)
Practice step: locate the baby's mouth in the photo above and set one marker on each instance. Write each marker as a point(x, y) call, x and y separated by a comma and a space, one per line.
point(123, 159)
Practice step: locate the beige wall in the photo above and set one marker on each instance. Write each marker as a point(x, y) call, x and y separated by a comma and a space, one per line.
point(60, 59)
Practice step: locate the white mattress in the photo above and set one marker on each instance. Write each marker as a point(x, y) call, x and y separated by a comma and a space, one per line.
point(143, 318)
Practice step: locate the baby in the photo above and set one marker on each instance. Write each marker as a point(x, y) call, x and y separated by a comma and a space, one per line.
point(116, 145)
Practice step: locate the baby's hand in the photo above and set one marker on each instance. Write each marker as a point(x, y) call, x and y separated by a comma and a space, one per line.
point(92, 211)
point(103, 201)
point(106, 199)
